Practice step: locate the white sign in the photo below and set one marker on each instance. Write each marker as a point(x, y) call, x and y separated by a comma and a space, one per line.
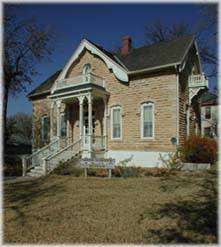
point(98, 163)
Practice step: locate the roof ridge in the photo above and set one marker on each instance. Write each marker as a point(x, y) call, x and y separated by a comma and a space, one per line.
point(161, 42)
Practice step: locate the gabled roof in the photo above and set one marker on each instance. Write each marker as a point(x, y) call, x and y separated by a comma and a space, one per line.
point(149, 57)
point(209, 98)
point(163, 53)
point(119, 71)
point(45, 86)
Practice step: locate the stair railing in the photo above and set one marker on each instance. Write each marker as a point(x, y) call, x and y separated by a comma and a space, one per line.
point(36, 159)
point(64, 154)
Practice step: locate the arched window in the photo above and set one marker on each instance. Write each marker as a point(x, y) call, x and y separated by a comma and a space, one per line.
point(147, 120)
point(87, 69)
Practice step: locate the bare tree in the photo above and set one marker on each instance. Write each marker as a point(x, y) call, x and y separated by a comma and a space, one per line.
point(25, 44)
point(159, 32)
point(19, 127)
point(205, 32)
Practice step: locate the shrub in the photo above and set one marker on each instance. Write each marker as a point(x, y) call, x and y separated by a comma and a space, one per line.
point(117, 171)
point(199, 150)
point(157, 172)
point(91, 172)
point(130, 172)
point(173, 161)
point(101, 172)
point(125, 172)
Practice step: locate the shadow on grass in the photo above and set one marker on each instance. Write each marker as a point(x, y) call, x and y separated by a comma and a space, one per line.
point(20, 194)
point(196, 218)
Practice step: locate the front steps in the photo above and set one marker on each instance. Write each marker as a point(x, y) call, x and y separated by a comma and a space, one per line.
point(37, 171)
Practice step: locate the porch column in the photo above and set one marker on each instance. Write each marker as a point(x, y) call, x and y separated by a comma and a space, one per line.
point(68, 124)
point(33, 132)
point(58, 102)
point(90, 127)
point(81, 100)
point(51, 120)
point(105, 122)
point(188, 120)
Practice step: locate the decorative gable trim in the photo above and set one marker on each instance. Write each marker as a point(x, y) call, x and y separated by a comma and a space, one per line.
point(185, 56)
point(118, 70)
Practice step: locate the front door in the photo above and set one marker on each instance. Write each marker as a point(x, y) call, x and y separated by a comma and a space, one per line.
point(85, 129)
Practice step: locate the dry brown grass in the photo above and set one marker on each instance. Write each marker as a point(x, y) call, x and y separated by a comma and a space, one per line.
point(66, 209)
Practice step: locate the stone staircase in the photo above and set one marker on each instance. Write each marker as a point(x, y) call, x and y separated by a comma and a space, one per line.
point(46, 159)
point(37, 171)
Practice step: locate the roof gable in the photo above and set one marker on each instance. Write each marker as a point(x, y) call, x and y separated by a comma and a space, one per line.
point(142, 59)
point(118, 70)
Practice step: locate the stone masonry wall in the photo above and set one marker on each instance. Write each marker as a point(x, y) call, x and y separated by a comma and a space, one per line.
point(41, 107)
point(160, 89)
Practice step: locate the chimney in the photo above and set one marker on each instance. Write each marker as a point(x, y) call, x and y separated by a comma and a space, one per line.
point(126, 45)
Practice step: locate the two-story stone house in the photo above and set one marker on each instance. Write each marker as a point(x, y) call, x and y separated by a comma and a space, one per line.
point(130, 106)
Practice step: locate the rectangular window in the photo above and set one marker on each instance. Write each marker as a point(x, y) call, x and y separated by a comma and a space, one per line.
point(63, 125)
point(116, 123)
point(208, 112)
point(45, 129)
point(147, 121)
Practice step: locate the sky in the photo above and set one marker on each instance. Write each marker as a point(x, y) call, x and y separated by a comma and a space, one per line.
point(104, 24)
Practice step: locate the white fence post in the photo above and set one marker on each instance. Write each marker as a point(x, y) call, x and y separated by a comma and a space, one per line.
point(44, 166)
point(85, 171)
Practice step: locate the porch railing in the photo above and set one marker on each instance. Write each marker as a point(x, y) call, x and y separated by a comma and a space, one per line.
point(64, 154)
point(79, 80)
point(198, 81)
point(98, 142)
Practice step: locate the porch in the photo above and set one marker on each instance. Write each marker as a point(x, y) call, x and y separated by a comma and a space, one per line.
point(81, 115)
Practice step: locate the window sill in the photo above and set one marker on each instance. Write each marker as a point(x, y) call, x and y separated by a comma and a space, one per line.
point(146, 139)
point(116, 139)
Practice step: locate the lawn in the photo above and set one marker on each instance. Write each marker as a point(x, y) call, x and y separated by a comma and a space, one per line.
point(64, 209)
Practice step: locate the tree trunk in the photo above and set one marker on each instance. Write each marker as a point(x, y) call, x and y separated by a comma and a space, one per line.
point(5, 107)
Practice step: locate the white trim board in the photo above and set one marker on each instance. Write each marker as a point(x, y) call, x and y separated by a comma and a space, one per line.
point(137, 158)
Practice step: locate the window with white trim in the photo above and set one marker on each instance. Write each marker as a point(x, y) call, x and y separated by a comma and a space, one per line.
point(116, 122)
point(147, 120)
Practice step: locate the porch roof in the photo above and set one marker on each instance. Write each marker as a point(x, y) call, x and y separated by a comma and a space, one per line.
point(83, 87)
